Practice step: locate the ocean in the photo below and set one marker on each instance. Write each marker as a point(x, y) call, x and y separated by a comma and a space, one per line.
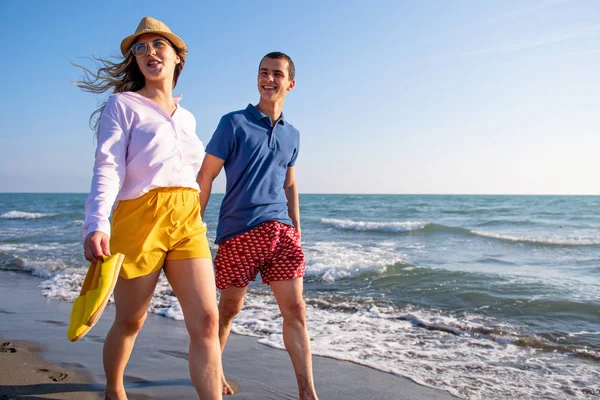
point(486, 297)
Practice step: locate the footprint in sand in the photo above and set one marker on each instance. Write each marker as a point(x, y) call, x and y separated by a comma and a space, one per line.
point(175, 353)
point(94, 338)
point(53, 376)
point(7, 347)
point(180, 354)
point(52, 322)
point(134, 379)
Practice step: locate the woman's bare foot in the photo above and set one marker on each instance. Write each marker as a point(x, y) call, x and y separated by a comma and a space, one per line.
point(115, 396)
point(226, 388)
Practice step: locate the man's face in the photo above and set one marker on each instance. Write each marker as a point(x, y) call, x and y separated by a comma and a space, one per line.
point(274, 79)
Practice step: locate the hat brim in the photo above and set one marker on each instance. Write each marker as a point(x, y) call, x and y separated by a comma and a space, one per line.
point(173, 38)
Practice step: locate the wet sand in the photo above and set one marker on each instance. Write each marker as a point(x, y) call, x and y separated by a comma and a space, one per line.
point(25, 374)
point(45, 365)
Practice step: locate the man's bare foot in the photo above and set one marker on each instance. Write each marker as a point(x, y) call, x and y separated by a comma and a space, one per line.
point(226, 388)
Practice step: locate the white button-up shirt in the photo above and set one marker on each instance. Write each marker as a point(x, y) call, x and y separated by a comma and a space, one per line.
point(140, 148)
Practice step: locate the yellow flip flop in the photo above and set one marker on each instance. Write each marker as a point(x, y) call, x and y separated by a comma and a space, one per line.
point(98, 285)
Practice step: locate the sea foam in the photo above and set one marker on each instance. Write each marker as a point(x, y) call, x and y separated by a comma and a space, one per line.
point(24, 215)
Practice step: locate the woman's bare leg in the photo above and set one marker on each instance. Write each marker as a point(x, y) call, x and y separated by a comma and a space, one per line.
point(132, 297)
point(193, 283)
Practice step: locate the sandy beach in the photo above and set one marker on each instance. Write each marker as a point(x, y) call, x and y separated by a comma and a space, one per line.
point(25, 374)
point(38, 362)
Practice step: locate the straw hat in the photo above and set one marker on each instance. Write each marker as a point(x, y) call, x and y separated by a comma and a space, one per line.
point(151, 25)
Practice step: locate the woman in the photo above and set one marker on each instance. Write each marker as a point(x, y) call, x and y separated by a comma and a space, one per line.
point(147, 159)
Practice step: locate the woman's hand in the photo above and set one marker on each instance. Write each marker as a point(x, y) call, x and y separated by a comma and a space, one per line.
point(96, 245)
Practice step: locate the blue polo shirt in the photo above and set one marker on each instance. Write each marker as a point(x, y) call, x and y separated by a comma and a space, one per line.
point(257, 156)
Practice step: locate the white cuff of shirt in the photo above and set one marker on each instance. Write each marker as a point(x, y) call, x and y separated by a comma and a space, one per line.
point(102, 226)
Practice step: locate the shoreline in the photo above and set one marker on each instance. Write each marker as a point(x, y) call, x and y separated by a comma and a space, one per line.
point(158, 369)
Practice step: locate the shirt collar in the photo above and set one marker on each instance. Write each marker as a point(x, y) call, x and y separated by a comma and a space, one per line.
point(258, 115)
point(154, 106)
point(176, 99)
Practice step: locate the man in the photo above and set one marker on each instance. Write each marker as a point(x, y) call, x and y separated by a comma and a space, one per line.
point(259, 221)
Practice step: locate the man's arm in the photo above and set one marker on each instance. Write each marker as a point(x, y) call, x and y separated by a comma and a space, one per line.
point(291, 193)
point(211, 166)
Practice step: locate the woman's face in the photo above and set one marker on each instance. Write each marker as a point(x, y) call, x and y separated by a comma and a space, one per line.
point(159, 59)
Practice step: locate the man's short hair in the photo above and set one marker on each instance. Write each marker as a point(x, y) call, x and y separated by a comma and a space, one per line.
point(277, 55)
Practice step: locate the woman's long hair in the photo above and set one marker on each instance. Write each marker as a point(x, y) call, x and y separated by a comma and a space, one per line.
point(124, 76)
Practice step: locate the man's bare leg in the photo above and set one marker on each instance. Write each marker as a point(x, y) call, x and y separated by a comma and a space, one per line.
point(230, 304)
point(295, 336)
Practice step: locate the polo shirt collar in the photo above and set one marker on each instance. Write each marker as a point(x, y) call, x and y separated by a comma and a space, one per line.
point(259, 116)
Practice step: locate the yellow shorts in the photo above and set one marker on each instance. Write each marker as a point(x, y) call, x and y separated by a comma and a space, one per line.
point(164, 223)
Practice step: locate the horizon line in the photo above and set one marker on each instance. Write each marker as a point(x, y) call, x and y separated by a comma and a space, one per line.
point(370, 194)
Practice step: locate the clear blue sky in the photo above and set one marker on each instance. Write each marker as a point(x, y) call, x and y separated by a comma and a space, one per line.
point(391, 96)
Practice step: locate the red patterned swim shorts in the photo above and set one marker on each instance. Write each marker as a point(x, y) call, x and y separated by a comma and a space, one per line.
point(271, 248)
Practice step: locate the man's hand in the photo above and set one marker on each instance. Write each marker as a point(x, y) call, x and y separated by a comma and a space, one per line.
point(211, 167)
point(96, 245)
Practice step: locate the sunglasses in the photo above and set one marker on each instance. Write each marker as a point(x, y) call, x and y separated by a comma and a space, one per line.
point(140, 49)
